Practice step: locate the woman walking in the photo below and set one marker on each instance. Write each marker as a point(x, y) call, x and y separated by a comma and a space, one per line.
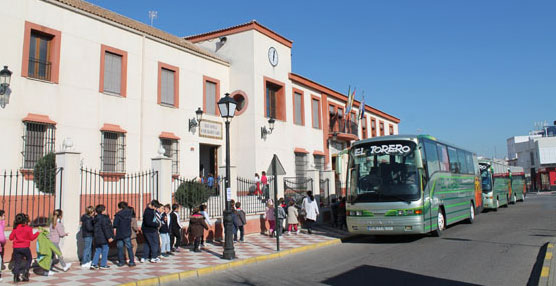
point(311, 210)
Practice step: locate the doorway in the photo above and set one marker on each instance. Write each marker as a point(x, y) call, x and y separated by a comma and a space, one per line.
point(208, 160)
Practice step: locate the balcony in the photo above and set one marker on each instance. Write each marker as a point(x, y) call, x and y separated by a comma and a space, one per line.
point(39, 69)
point(344, 130)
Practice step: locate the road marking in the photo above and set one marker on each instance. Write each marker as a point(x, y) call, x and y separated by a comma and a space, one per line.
point(544, 272)
point(548, 256)
point(550, 245)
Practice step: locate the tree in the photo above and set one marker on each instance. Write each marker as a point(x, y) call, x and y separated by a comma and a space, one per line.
point(45, 174)
point(192, 194)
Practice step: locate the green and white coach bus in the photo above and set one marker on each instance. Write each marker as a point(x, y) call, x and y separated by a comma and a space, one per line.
point(501, 184)
point(410, 185)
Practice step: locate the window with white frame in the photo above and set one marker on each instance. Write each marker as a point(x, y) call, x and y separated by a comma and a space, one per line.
point(167, 87)
point(112, 73)
point(171, 150)
point(298, 108)
point(113, 152)
point(210, 97)
point(38, 141)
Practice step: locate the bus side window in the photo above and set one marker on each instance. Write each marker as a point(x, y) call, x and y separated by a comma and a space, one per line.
point(462, 162)
point(443, 158)
point(433, 164)
point(454, 163)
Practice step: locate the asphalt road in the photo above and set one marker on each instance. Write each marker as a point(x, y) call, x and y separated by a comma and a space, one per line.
point(500, 248)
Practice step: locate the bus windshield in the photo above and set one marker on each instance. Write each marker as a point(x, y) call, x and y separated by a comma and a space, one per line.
point(486, 180)
point(383, 172)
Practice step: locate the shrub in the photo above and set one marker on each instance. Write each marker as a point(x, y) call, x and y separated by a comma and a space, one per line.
point(192, 194)
point(45, 174)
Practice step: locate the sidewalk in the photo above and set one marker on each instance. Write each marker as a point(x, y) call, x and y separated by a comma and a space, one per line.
point(255, 245)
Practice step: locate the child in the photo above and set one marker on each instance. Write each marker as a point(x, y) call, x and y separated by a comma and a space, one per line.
point(175, 228)
point(87, 231)
point(122, 224)
point(197, 226)
point(2, 241)
point(134, 231)
point(22, 235)
point(57, 231)
point(165, 232)
point(150, 232)
point(281, 216)
point(239, 222)
point(205, 214)
point(292, 218)
point(269, 215)
point(103, 236)
point(258, 191)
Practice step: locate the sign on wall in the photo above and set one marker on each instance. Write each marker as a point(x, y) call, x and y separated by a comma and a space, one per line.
point(210, 129)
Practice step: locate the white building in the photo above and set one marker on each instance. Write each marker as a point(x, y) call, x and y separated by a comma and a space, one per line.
point(120, 88)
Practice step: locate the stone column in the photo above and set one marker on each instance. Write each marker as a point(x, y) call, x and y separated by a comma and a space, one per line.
point(164, 167)
point(68, 194)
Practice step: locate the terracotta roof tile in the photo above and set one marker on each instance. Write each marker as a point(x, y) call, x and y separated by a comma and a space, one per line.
point(136, 25)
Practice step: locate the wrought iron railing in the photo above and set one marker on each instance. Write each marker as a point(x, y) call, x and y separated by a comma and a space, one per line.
point(253, 198)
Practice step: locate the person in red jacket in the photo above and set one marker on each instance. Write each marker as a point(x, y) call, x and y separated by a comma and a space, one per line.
point(22, 235)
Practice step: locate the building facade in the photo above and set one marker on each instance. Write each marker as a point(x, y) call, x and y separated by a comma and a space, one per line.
point(536, 153)
point(119, 90)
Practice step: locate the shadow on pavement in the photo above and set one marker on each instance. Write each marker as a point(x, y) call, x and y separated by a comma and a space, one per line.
point(536, 271)
point(382, 239)
point(367, 275)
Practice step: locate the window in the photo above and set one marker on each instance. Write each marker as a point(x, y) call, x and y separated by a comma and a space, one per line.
point(381, 126)
point(319, 162)
point(364, 127)
point(168, 85)
point(373, 127)
point(171, 150)
point(38, 141)
point(391, 129)
point(298, 107)
point(454, 163)
point(433, 164)
point(462, 162)
point(113, 71)
point(41, 52)
point(443, 158)
point(113, 152)
point(315, 108)
point(211, 95)
point(242, 101)
point(274, 100)
point(300, 164)
point(470, 164)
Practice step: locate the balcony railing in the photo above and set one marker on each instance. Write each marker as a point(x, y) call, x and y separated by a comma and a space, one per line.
point(342, 126)
point(39, 69)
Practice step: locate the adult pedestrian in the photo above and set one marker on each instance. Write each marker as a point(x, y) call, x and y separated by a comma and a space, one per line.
point(311, 210)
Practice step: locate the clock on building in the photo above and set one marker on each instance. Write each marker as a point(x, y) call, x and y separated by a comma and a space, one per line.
point(273, 56)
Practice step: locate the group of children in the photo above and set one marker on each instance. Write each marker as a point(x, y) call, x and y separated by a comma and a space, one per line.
point(287, 213)
point(48, 246)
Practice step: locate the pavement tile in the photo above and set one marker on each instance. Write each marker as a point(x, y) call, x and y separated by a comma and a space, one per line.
point(255, 245)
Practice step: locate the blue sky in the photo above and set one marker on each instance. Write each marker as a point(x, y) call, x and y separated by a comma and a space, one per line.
point(471, 72)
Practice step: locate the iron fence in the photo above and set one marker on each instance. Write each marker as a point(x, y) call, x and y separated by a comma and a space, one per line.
point(195, 194)
point(108, 189)
point(295, 188)
point(253, 198)
point(24, 191)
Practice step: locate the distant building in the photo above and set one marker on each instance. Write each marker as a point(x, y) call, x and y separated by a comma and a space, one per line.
point(536, 153)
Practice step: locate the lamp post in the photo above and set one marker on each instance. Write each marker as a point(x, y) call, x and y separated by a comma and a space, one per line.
point(227, 107)
point(5, 77)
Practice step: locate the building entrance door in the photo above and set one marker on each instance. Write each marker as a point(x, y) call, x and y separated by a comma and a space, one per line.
point(208, 160)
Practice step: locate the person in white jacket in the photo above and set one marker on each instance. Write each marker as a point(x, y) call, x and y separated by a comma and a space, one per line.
point(311, 209)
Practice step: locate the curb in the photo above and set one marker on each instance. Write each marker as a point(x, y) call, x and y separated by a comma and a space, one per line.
point(548, 271)
point(210, 269)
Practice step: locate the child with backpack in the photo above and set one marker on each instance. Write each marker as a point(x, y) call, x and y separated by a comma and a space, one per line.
point(239, 222)
point(87, 232)
point(122, 224)
point(22, 235)
point(292, 218)
point(269, 216)
point(197, 226)
point(165, 232)
point(281, 217)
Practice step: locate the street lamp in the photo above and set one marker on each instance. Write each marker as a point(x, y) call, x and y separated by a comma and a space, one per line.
point(227, 107)
point(264, 131)
point(194, 123)
point(5, 77)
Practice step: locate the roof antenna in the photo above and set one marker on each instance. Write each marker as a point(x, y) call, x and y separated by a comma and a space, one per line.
point(153, 15)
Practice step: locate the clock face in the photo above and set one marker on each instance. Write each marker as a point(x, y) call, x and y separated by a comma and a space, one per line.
point(273, 56)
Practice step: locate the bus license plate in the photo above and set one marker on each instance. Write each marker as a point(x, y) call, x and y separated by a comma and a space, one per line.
point(380, 228)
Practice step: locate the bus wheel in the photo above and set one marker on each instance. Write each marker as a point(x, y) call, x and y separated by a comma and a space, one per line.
point(507, 201)
point(441, 222)
point(514, 199)
point(471, 218)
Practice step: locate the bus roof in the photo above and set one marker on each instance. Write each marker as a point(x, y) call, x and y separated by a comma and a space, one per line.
point(406, 137)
